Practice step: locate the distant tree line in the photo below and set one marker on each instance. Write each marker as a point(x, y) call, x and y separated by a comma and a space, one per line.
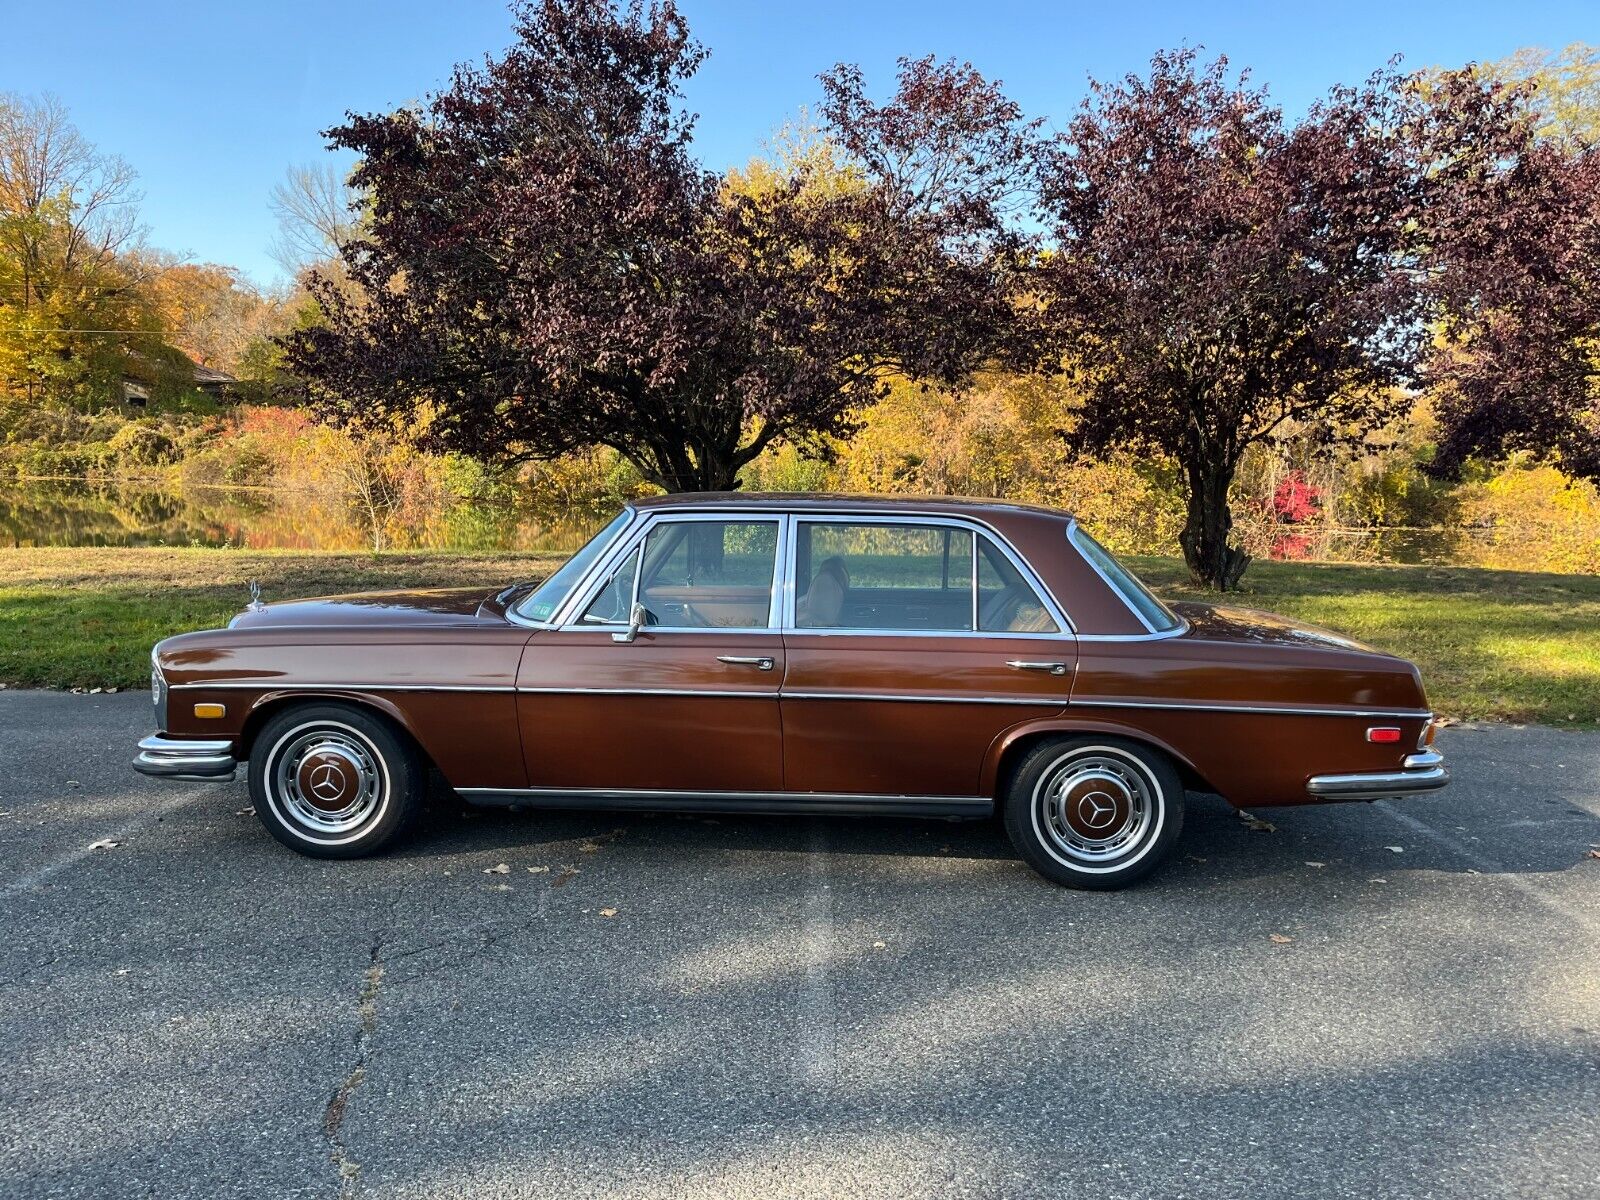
point(547, 266)
point(533, 263)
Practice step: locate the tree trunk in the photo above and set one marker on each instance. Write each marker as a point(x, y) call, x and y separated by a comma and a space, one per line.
point(1212, 562)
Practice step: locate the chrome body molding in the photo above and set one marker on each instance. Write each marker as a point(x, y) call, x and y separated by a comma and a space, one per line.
point(755, 802)
point(1409, 714)
point(285, 685)
point(775, 694)
point(1378, 785)
point(723, 693)
point(171, 758)
point(916, 698)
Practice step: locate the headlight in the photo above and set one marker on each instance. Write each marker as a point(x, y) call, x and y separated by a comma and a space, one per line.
point(158, 692)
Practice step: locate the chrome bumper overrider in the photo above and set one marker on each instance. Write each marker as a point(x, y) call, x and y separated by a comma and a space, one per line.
point(167, 758)
point(1424, 772)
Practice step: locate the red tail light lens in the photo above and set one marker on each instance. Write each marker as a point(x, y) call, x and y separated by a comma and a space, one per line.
point(1383, 734)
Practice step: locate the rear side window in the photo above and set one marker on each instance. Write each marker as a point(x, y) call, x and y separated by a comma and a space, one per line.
point(1156, 616)
point(859, 575)
point(909, 577)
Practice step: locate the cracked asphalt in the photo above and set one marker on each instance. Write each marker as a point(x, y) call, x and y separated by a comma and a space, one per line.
point(792, 1007)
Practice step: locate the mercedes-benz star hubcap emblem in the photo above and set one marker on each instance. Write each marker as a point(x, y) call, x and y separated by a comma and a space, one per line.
point(327, 782)
point(1096, 810)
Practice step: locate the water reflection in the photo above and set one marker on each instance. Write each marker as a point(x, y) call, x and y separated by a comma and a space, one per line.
point(55, 512)
point(77, 513)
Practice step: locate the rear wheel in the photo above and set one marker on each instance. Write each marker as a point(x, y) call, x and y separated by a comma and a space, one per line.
point(1094, 812)
point(334, 781)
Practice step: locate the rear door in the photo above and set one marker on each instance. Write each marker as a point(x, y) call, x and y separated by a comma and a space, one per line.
point(690, 704)
point(912, 644)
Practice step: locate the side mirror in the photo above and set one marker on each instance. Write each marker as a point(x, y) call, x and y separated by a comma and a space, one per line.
point(638, 618)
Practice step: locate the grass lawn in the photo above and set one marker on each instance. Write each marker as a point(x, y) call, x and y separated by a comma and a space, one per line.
point(1506, 645)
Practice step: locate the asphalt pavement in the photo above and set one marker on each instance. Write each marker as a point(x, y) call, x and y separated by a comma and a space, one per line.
point(1390, 1000)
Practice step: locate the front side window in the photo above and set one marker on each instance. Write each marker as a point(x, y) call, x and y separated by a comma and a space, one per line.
point(860, 575)
point(542, 602)
point(695, 575)
point(1156, 616)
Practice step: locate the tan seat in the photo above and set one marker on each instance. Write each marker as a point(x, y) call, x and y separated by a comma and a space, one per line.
point(823, 604)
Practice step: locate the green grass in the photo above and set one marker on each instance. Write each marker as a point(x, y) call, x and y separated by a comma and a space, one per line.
point(1497, 645)
point(1505, 645)
point(87, 618)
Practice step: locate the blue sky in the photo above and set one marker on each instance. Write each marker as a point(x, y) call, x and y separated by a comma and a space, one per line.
point(211, 102)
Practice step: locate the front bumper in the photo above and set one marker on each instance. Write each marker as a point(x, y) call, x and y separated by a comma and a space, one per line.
point(168, 758)
point(1423, 772)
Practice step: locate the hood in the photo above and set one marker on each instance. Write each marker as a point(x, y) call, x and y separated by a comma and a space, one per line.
point(1223, 623)
point(395, 610)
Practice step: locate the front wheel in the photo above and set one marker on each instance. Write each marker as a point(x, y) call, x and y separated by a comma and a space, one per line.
point(1094, 812)
point(334, 781)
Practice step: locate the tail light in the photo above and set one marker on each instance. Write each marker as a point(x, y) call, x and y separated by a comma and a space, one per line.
point(1384, 734)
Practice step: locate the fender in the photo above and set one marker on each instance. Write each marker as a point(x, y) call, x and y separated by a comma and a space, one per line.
point(1066, 723)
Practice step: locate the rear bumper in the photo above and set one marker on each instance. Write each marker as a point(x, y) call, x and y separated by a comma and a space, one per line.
point(168, 758)
point(1423, 772)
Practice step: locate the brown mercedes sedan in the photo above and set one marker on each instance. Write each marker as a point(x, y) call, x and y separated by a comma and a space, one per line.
point(798, 654)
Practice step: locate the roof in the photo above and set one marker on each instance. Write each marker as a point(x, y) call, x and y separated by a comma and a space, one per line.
point(953, 505)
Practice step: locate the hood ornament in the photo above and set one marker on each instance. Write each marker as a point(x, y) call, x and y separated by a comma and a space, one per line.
point(255, 604)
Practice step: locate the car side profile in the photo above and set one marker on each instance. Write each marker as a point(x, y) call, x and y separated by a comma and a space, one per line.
point(797, 654)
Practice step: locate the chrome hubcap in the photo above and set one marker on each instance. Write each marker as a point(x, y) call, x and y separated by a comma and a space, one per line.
point(1094, 807)
point(328, 781)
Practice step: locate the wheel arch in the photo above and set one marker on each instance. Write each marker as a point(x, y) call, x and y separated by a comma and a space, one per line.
point(1012, 746)
point(271, 704)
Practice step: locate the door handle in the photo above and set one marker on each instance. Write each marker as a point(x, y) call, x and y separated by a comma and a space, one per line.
point(759, 661)
point(1053, 668)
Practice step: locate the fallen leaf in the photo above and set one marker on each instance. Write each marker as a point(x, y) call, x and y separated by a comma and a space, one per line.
point(1378, 880)
point(879, 945)
point(564, 876)
point(1315, 864)
point(501, 887)
point(104, 844)
point(590, 847)
point(608, 912)
point(1594, 854)
point(1256, 824)
point(538, 870)
point(1395, 849)
point(1282, 939)
point(497, 869)
point(244, 812)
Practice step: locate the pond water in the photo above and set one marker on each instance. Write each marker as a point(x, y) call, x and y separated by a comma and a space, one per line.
point(57, 512)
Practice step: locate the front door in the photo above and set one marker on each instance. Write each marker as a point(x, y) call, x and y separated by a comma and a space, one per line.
point(687, 706)
point(912, 645)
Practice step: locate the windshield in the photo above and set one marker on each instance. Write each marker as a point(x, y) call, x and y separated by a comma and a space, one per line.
point(1157, 617)
point(541, 605)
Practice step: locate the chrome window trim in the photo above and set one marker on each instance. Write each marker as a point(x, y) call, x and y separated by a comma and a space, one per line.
point(1151, 632)
point(1066, 630)
point(513, 613)
point(566, 617)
